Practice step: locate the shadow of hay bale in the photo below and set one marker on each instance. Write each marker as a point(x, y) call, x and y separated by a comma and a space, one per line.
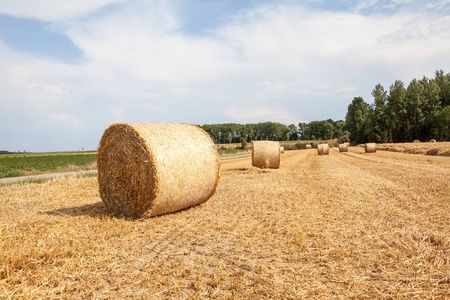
point(94, 210)
point(240, 169)
point(99, 210)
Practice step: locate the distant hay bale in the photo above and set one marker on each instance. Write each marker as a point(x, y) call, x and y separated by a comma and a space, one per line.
point(416, 141)
point(370, 147)
point(266, 154)
point(308, 146)
point(281, 150)
point(323, 149)
point(343, 148)
point(149, 169)
point(432, 141)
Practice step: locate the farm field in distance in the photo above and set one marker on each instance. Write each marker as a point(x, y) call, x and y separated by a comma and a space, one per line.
point(12, 165)
point(344, 225)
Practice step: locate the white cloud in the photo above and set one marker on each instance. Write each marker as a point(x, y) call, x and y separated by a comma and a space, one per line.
point(50, 10)
point(260, 114)
point(32, 82)
point(346, 89)
point(438, 4)
point(66, 120)
point(145, 43)
point(117, 114)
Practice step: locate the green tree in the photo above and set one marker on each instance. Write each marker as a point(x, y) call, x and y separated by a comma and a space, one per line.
point(396, 108)
point(414, 104)
point(431, 105)
point(358, 120)
point(442, 130)
point(340, 131)
point(443, 82)
point(301, 130)
point(379, 122)
point(292, 133)
point(320, 130)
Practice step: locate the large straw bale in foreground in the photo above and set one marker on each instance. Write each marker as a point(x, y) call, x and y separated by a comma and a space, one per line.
point(370, 147)
point(149, 169)
point(343, 148)
point(266, 154)
point(323, 149)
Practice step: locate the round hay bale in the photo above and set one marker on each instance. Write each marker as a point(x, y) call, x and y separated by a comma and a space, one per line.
point(343, 148)
point(323, 149)
point(266, 154)
point(281, 150)
point(308, 146)
point(432, 141)
point(370, 147)
point(416, 141)
point(149, 169)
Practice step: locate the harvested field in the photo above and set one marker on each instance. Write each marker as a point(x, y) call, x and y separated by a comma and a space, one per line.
point(344, 225)
point(436, 148)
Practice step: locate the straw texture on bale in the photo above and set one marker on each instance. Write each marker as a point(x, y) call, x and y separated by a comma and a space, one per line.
point(281, 150)
point(343, 148)
point(323, 149)
point(149, 169)
point(308, 146)
point(370, 147)
point(266, 154)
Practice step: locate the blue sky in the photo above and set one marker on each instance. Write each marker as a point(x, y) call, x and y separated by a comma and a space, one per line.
point(71, 68)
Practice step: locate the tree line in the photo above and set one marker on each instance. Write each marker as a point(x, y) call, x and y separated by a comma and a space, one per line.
point(420, 111)
point(237, 133)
